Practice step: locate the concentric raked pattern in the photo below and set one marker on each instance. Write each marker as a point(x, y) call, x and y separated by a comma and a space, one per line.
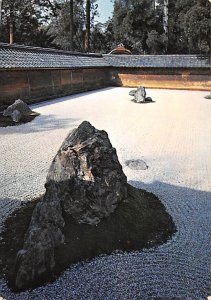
point(172, 136)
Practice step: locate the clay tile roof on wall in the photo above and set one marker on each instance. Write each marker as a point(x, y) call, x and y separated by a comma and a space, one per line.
point(157, 61)
point(23, 57)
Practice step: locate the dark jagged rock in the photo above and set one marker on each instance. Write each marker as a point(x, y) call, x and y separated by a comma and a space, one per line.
point(18, 109)
point(86, 183)
point(87, 175)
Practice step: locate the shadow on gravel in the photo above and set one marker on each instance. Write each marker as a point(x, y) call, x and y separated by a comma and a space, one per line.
point(191, 207)
point(7, 121)
point(145, 102)
point(40, 124)
point(182, 195)
point(69, 97)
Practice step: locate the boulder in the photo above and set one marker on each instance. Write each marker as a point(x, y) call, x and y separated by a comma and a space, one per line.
point(140, 95)
point(208, 96)
point(85, 182)
point(17, 110)
point(132, 93)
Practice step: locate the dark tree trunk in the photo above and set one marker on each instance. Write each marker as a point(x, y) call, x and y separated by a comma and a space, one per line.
point(71, 25)
point(0, 11)
point(11, 23)
point(166, 20)
point(0, 19)
point(87, 37)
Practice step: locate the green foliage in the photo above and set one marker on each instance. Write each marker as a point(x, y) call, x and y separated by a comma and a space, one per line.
point(156, 42)
point(28, 19)
point(189, 26)
point(198, 29)
point(138, 24)
point(132, 21)
point(102, 40)
point(59, 28)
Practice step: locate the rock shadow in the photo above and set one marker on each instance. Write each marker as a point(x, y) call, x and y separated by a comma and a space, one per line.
point(69, 97)
point(145, 102)
point(41, 123)
point(190, 210)
point(7, 121)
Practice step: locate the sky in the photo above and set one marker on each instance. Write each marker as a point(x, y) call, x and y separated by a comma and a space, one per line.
point(105, 9)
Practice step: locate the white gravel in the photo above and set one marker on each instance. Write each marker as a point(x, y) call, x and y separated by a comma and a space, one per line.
point(173, 136)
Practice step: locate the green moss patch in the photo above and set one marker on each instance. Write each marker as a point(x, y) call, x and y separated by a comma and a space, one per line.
point(139, 222)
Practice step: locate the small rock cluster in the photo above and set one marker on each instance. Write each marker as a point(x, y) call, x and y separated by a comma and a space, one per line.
point(140, 95)
point(18, 109)
point(86, 183)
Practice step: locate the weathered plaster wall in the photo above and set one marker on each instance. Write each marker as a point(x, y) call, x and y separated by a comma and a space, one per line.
point(36, 85)
point(193, 79)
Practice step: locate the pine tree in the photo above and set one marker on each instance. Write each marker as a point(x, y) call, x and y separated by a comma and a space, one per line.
point(197, 27)
point(188, 26)
point(60, 28)
point(22, 20)
point(132, 21)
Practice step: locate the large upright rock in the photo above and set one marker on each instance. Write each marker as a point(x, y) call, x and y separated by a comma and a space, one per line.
point(85, 182)
point(87, 176)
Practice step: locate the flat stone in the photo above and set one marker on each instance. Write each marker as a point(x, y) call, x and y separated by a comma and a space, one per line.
point(136, 164)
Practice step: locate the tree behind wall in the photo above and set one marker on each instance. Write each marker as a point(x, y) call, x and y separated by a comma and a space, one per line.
point(71, 24)
point(87, 35)
point(0, 14)
point(156, 42)
point(59, 28)
point(177, 38)
point(23, 20)
point(187, 26)
point(139, 24)
point(198, 27)
point(132, 21)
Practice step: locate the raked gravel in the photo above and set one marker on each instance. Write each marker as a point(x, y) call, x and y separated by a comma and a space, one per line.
point(173, 137)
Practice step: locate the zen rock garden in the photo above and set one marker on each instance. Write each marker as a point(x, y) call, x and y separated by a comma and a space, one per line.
point(154, 242)
point(88, 209)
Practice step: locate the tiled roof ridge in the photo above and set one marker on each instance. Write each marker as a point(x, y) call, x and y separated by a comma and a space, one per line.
point(157, 55)
point(27, 57)
point(48, 50)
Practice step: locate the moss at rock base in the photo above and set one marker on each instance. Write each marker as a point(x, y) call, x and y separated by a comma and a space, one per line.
point(139, 222)
point(7, 121)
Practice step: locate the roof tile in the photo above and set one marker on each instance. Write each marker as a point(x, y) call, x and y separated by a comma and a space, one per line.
point(23, 57)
